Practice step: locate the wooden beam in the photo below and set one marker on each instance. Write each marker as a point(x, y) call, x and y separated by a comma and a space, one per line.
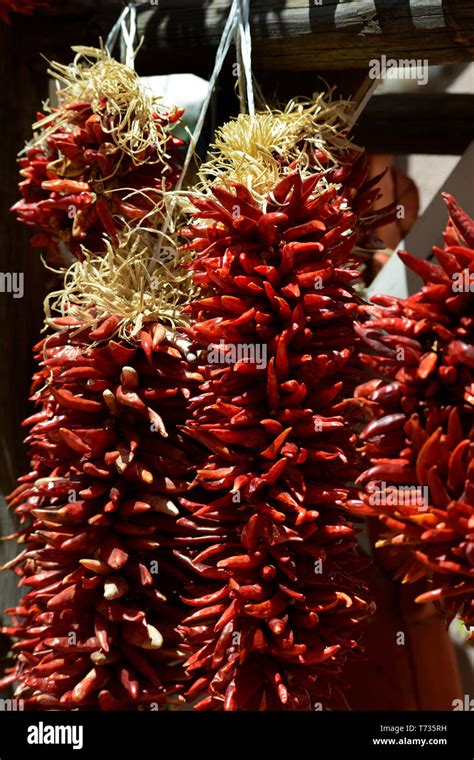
point(20, 318)
point(430, 123)
point(181, 35)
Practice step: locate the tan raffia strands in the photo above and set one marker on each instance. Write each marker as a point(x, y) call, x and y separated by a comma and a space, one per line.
point(95, 77)
point(252, 151)
point(128, 281)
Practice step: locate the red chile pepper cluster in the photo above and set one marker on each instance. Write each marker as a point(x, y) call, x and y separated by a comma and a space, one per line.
point(73, 187)
point(7, 7)
point(96, 626)
point(79, 183)
point(423, 433)
point(187, 529)
point(278, 596)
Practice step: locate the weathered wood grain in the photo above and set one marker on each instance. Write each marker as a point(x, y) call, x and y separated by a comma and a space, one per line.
point(295, 35)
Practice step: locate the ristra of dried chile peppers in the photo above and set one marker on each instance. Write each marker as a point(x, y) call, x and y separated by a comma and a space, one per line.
point(96, 626)
point(99, 162)
point(278, 597)
point(421, 437)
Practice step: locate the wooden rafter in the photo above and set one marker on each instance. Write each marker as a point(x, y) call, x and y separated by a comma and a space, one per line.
point(295, 35)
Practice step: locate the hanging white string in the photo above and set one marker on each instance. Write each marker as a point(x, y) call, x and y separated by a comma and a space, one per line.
point(221, 53)
point(114, 32)
point(241, 86)
point(245, 40)
point(127, 39)
point(243, 44)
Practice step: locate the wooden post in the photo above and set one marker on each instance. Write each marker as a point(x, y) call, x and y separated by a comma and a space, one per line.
point(23, 88)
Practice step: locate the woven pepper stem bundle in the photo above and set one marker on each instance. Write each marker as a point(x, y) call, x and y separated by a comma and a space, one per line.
point(129, 281)
point(253, 150)
point(115, 93)
point(422, 353)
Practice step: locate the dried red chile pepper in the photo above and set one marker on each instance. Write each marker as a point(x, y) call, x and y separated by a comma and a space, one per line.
point(78, 180)
point(278, 597)
point(107, 467)
point(423, 430)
